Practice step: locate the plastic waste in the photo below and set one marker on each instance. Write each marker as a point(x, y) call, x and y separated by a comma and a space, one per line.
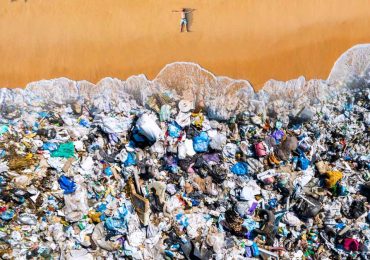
point(218, 142)
point(165, 113)
point(65, 150)
point(125, 172)
point(303, 162)
point(183, 119)
point(229, 150)
point(201, 142)
point(3, 129)
point(240, 168)
point(48, 133)
point(7, 215)
point(68, 185)
point(148, 127)
point(27, 219)
point(185, 106)
point(130, 160)
point(49, 147)
point(174, 129)
point(260, 149)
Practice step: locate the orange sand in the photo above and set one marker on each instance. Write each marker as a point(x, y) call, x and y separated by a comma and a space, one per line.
point(250, 39)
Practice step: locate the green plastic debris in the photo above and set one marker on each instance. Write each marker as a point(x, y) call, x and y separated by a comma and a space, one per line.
point(65, 150)
point(165, 113)
point(81, 225)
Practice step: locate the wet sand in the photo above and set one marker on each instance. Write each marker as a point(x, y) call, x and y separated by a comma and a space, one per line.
point(255, 40)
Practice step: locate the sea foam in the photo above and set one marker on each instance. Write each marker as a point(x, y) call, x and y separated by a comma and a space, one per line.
point(222, 96)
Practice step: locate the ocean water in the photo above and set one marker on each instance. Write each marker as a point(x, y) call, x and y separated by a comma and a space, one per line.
point(222, 96)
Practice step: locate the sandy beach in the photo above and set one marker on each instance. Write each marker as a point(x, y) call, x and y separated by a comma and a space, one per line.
point(254, 40)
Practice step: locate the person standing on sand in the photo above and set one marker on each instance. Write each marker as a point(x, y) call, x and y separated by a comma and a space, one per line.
point(184, 20)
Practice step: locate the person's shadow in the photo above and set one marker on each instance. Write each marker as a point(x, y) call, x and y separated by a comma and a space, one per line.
point(189, 18)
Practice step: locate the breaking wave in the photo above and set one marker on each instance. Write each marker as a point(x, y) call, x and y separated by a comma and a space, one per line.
point(222, 96)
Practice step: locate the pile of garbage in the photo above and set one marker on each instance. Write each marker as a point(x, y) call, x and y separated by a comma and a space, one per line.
point(167, 177)
point(171, 183)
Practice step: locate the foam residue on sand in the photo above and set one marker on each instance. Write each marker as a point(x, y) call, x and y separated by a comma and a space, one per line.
point(222, 96)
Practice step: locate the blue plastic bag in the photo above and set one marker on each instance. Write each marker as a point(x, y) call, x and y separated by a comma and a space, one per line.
point(182, 219)
point(174, 129)
point(108, 171)
point(49, 147)
point(123, 212)
point(7, 215)
point(68, 185)
point(201, 142)
point(139, 139)
point(84, 123)
point(240, 168)
point(102, 207)
point(303, 162)
point(93, 147)
point(348, 106)
point(131, 159)
point(114, 224)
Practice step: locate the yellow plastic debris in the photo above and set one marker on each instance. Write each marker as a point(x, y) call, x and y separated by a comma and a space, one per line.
point(94, 216)
point(332, 178)
point(198, 119)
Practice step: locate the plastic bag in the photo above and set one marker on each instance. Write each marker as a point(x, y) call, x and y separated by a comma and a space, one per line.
point(112, 125)
point(165, 113)
point(174, 129)
point(185, 106)
point(49, 147)
point(148, 128)
point(76, 204)
point(278, 135)
point(7, 215)
point(183, 119)
point(68, 185)
point(121, 156)
point(260, 149)
point(303, 162)
point(332, 177)
point(181, 151)
point(27, 219)
point(351, 244)
point(114, 224)
point(201, 142)
point(218, 142)
point(48, 133)
point(229, 150)
point(65, 150)
point(240, 168)
point(189, 147)
point(131, 159)
point(304, 115)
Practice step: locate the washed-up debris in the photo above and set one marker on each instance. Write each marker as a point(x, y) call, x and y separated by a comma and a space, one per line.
point(174, 178)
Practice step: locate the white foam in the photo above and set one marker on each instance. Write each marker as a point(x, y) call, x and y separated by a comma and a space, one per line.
point(222, 95)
